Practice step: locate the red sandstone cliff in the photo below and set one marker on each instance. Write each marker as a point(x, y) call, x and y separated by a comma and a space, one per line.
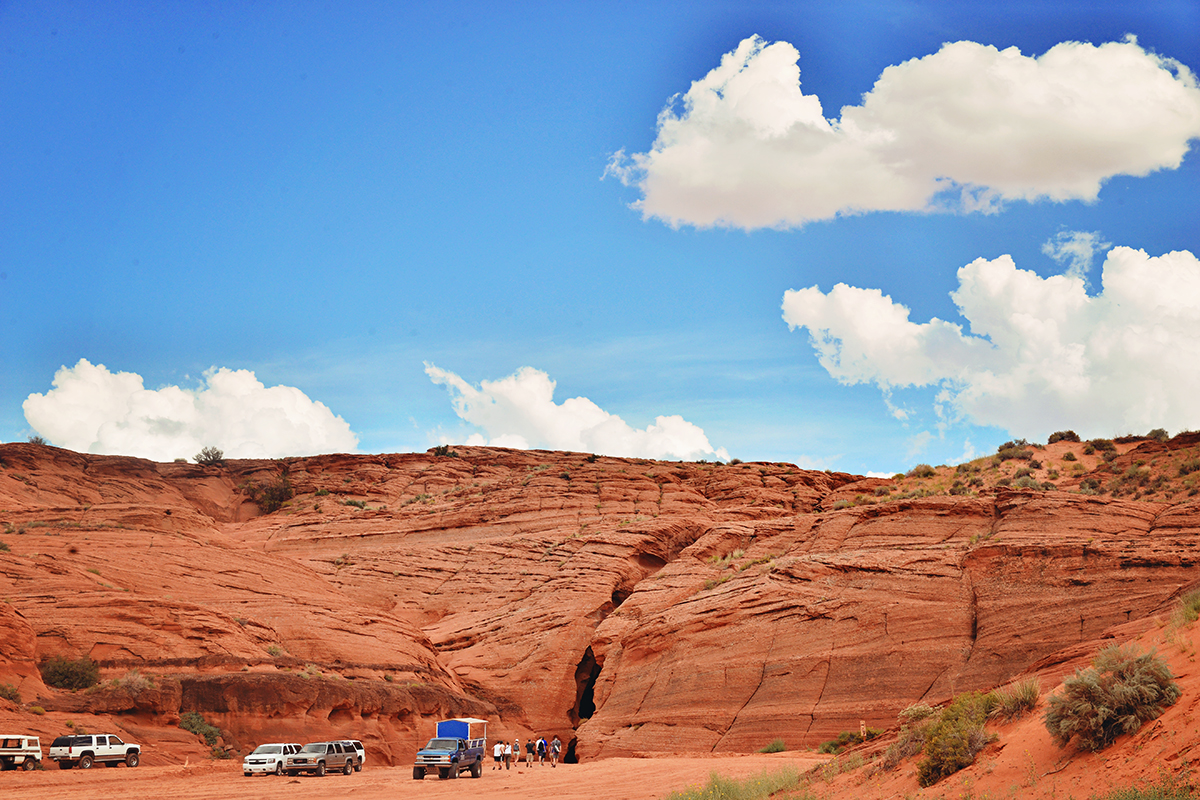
point(624, 604)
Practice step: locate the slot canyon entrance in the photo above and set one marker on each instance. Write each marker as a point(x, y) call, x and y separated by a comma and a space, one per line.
point(586, 674)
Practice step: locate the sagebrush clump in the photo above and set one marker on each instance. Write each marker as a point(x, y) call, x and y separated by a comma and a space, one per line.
point(1117, 694)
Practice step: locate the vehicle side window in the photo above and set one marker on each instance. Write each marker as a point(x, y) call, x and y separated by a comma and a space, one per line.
point(101, 741)
point(115, 740)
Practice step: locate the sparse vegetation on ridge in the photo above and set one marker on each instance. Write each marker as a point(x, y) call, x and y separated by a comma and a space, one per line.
point(210, 457)
point(755, 787)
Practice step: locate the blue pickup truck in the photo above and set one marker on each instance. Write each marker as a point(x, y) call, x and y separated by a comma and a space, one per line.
point(458, 745)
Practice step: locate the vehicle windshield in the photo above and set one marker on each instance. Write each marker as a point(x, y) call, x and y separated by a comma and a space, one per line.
point(442, 744)
point(314, 747)
point(267, 750)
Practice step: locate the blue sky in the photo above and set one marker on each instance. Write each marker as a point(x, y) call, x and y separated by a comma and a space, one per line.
point(274, 206)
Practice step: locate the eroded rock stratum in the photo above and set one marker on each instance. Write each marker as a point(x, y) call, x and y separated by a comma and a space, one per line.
point(625, 605)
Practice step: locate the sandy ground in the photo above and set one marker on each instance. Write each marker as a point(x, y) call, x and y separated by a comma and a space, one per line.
point(610, 779)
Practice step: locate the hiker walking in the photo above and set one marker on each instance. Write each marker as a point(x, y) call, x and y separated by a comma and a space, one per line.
point(497, 754)
point(555, 749)
point(530, 749)
point(541, 749)
point(507, 755)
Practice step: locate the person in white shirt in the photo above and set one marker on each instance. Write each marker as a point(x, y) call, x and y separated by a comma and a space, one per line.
point(497, 754)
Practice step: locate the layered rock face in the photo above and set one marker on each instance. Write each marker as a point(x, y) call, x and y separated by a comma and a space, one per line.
point(622, 604)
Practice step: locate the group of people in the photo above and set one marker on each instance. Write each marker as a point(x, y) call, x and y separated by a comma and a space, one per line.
point(507, 752)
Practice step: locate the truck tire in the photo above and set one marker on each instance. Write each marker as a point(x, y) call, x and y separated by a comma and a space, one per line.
point(453, 772)
point(131, 760)
point(321, 769)
point(418, 773)
point(278, 767)
point(29, 765)
point(86, 760)
point(443, 773)
point(348, 767)
point(477, 769)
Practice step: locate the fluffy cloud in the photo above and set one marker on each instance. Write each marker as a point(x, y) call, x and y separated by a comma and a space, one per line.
point(519, 411)
point(1041, 355)
point(967, 127)
point(93, 410)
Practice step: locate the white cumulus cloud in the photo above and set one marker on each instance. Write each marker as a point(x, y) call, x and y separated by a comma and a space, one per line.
point(966, 128)
point(93, 410)
point(1041, 354)
point(519, 412)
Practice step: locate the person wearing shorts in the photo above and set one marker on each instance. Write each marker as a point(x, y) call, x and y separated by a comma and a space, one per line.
point(530, 749)
point(497, 754)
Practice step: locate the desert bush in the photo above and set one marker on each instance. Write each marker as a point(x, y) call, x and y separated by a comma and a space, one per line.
point(35, 439)
point(1187, 610)
point(210, 457)
point(1017, 699)
point(4, 548)
point(443, 450)
point(1120, 691)
point(910, 742)
point(956, 737)
point(776, 746)
point(754, 787)
point(10, 693)
point(63, 673)
point(1008, 452)
point(134, 682)
point(916, 712)
point(847, 739)
point(1158, 435)
point(921, 471)
point(1189, 466)
point(1103, 445)
point(270, 496)
point(1169, 787)
point(41, 712)
point(1069, 456)
point(1063, 436)
point(193, 722)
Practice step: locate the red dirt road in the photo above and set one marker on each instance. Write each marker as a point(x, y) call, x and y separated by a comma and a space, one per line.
point(610, 779)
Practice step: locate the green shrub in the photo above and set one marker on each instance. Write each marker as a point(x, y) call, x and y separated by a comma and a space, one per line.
point(193, 722)
point(63, 673)
point(1117, 694)
point(443, 450)
point(754, 787)
point(955, 738)
point(1063, 436)
point(4, 548)
point(921, 471)
point(1070, 456)
point(1103, 445)
point(270, 497)
point(847, 739)
point(1188, 609)
point(1158, 435)
point(1007, 453)
point(10, 693)
point(1170, 787)
point(776, 746)
point(1017, 699)
point(1189, 466)
point(210, 457)
point(37, 710)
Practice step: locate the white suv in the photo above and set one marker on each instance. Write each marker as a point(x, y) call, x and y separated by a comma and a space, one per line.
point(18, 751)
point(362, 753)
point(268, 758)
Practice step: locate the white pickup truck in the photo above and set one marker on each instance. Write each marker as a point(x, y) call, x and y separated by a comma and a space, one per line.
point(20, 752)
point(86, 750)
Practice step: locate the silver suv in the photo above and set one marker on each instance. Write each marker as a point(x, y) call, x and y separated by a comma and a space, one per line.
point(322, 757)
point(268, 758)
